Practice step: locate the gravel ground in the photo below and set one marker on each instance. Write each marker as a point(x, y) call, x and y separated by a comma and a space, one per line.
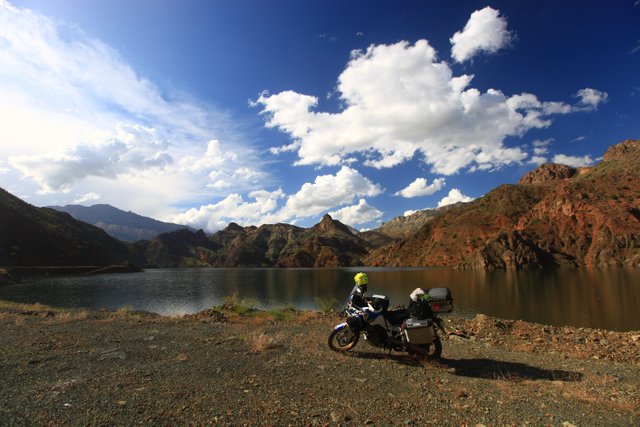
point(125, 368)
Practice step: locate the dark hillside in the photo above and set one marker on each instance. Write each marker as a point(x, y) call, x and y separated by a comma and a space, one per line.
point(41, 236)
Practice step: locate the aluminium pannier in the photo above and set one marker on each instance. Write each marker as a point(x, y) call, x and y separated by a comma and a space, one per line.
point(419, 331)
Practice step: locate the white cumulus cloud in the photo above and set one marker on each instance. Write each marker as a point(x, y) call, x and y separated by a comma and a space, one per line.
point(233, 208)
point(590, 99)
point(354, 215)
point(575, 161)
point(454, 196)
point(401, 101)
point(419, 188)
point(327, 192)
point(89, 197)
point(130, 148)
point(486, 31)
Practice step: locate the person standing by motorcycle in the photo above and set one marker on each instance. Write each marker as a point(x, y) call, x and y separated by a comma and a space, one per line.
point(357, 295)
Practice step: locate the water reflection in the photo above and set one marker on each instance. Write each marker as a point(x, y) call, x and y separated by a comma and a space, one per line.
point(581, 297)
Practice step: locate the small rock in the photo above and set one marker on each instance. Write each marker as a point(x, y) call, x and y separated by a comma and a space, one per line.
point(461, 394)
point(182, 357)
point(113, 354)
point(336, 417)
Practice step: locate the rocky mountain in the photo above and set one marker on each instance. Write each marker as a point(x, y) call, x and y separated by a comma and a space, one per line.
point(41, 236)
point(555, 216)
point(126, 226)
point(327, 244)
point(402, 226)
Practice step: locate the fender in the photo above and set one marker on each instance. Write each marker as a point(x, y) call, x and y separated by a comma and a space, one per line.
point(340, 326)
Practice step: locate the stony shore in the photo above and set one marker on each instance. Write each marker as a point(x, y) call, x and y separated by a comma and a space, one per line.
point(77, 367)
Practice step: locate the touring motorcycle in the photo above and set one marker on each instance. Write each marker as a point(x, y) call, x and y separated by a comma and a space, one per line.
point(413, 330)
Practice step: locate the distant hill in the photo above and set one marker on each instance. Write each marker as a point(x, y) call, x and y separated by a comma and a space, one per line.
point(555, 216)
point(32, 236)
point(126, 226)
point(328, 244)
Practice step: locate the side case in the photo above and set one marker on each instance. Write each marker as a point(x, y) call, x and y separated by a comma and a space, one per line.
point(419, 331)
point(441, 300)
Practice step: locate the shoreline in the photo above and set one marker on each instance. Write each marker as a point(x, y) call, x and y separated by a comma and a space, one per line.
point(520, 334)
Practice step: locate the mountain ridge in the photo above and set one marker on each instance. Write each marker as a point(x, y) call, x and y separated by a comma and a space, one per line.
point(124, 225)
point(327, 244)
point(555, 216)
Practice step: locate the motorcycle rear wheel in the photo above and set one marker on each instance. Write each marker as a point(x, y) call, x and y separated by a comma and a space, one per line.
point(429, 351)
point(343, 339)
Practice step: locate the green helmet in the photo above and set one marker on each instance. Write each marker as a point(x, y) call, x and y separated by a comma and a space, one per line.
point(361, 279)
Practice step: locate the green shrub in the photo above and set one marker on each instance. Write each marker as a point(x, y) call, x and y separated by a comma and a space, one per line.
point(326, 304)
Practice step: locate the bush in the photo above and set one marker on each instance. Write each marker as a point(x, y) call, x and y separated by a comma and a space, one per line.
point(234, 304)
point(326, 304)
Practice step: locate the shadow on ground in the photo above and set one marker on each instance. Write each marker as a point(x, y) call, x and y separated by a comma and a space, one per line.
point(480, 368)
point(510, 371)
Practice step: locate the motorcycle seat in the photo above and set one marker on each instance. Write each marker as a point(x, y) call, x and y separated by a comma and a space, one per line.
point(396, 317)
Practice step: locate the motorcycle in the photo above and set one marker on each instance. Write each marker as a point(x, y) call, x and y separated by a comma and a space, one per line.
point(413, 330)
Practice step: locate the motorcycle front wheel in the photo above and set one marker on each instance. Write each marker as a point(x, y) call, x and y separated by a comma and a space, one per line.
point(428, 351)
point(343, 340)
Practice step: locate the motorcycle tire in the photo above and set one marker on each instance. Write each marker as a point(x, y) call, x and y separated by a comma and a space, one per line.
point(342, 340)
point(429, 351)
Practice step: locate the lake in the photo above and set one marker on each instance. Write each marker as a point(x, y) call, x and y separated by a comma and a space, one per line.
point(607, 299)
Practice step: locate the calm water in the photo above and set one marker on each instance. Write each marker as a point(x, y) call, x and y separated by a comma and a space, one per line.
point(607, 299)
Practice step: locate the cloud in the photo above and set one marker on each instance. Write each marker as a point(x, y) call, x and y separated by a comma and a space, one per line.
point(541, 143)
point(590, 99)
point(328, 191)
point(400, 102)
point(325, 193)
point(77, 117)
point(454, 196)
point(234, 208)
point(575, 161)
point(538, 160)
point(89, 197)
point(131, 148)
point(354, 215)
point(486, 31)
point(419, 188)
point(540, 149)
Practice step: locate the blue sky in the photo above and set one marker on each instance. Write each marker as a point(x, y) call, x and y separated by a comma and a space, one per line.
point(206, 112)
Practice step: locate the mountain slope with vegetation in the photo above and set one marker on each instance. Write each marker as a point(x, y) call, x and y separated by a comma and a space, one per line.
point(555, 216)
point(41, 236)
